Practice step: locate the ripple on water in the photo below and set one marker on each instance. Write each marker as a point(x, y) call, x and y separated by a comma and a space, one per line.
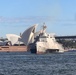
point(32, 64)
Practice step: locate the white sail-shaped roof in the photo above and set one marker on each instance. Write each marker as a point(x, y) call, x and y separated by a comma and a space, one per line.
point(37, 33)
point(13, 38)
point(27, 36)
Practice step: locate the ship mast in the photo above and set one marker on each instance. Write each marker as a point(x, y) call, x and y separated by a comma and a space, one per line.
point(44, 28)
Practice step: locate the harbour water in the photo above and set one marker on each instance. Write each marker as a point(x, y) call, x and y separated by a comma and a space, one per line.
point(33, 64)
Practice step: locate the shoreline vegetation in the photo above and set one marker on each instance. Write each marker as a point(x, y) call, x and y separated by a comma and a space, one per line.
point(68, 43)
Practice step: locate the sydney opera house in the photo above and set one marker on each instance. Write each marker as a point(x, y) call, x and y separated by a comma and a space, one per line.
point(33, 41)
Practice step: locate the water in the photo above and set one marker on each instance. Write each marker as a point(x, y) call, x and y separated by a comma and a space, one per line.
point(32, 64)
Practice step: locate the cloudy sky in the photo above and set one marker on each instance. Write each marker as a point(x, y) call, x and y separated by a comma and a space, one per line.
point(17, 15)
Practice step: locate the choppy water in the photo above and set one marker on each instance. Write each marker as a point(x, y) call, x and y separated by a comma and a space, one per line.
point(32, 64)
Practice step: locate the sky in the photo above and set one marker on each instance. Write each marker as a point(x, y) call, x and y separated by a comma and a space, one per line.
point(58, 15)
